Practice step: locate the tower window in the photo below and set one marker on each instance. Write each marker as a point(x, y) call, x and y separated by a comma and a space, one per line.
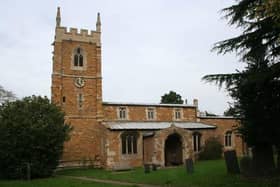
point(78, 58)
point(63, 99)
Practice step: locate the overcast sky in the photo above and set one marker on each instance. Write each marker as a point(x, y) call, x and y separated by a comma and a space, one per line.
point(148, 47)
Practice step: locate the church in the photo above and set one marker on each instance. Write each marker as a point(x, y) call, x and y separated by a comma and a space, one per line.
point(116, 135)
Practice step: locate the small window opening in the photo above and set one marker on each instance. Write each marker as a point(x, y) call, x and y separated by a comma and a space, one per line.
point(80, 100)
point(122, 113)
point(150, 113)
point(178, 114)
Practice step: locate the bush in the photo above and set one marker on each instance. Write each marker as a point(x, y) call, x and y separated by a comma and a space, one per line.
point(212, 150)
point(32, 134)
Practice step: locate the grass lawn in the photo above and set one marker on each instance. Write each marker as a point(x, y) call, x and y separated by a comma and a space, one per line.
point(53, 182)
point(207, 173)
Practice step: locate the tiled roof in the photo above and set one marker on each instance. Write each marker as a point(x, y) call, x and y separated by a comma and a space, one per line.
point(157, 125)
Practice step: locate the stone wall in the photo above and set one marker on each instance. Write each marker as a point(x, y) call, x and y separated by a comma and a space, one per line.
point(87, 142)
point(153, 146)
point(224, 125)
point(138, 113)
point(149, 150)
point(115, 158)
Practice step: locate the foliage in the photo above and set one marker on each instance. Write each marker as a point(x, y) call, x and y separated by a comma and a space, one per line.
point(272, 9)
point(256, 88)
point(209, 173)
point(260, 32)
point(171, 98)
point(32, 132)
point(231, 111)
point(209, 113)
point(212, 150)
point(6, 95)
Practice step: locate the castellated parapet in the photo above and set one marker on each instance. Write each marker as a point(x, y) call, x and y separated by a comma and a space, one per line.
point(82, 35)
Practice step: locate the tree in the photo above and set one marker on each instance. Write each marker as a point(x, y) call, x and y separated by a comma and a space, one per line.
point(171, 98)
point(231, 111)
point(6, 95)
point(32, 135)
point(256, 88)
point(272, 9)
point(209, 113)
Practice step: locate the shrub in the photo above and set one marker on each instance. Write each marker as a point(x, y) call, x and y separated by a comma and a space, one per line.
point(32, 134)
point(212, 150)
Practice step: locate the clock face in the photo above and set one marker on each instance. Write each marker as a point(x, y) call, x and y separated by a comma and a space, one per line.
point(79, 82)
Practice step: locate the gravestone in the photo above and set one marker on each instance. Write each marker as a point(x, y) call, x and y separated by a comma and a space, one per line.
point(189, 165)
point(28, 171)
point(146, 168)
point(154, 167)
point(122, 166)
point(232, 162)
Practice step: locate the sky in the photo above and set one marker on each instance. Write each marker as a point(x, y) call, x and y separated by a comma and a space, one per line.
point(149, 47)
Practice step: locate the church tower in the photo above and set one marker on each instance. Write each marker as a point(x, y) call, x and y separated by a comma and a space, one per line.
point(77, 89)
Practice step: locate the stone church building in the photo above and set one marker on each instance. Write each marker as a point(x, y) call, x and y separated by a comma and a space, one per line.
point(117, 135)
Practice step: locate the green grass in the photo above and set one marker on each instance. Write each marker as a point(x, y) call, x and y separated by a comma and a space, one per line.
point(53, 182)
point(207, 174)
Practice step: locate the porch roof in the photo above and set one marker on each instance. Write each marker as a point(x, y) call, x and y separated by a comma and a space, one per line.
point(157, 125)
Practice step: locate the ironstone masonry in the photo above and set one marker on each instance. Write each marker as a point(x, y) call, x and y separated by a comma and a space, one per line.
point(123, 135)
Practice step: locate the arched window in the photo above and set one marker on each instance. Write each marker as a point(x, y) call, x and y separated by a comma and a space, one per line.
point(129, 142)
point(196, 141)
point(78, 58)
point(228, 139)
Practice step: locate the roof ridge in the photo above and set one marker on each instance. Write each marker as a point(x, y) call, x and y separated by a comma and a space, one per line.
point(147, 104)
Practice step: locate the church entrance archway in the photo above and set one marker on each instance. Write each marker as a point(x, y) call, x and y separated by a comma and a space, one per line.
point(173, 150)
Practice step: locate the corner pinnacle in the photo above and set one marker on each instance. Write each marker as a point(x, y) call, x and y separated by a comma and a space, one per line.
point(98, 23)
point(58, 18)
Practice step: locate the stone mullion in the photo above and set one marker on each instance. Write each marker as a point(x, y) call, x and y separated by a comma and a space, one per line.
point(196, 136)
point(126, 144)
point(132, 142)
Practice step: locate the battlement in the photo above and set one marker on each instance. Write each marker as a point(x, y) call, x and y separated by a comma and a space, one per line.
point(74, 34)
point(75, 31)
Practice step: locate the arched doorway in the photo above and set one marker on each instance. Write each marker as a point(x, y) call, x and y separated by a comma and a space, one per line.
point(173, 150)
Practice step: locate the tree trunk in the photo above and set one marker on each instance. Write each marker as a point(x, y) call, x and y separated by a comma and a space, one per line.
point(263, 162)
